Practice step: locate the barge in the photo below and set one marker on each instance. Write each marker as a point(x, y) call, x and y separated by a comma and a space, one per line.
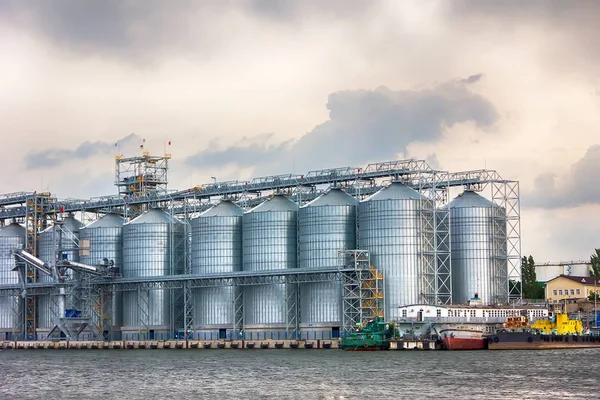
point(556, 332)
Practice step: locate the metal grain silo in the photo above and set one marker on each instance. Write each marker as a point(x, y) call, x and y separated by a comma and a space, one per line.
point(11, 237)
point(216, 248)
point(478, 249)
point(326, 225)
point(153, 245)
point(269, 234)
point(391, 226)
point(101, 243)
point(67, 239)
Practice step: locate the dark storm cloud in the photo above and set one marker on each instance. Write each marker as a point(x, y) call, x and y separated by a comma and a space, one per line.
point(137, 31)
point(249, 152)
point(363, 125)
point(574, 20)
point(578, 187)
point(55, 157)
point(142, 31)
point(528, 9)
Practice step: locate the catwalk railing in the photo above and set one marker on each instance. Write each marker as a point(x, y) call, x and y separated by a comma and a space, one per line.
point(231, 188)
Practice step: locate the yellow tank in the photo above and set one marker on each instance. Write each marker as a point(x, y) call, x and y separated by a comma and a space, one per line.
point(561, 326)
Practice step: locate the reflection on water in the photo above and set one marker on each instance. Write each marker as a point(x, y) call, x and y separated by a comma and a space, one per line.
point(297, 374)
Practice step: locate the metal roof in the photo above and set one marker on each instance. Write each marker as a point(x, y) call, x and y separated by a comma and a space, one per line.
point(334, 197)
point(12, 230)
point(107, 221)
point(225, 208)
point(154, 216)
point(396, 191)
point(276, 203)
point(468, 198)
point(584, 280)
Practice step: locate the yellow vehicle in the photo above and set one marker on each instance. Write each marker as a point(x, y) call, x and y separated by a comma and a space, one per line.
point(560, 324)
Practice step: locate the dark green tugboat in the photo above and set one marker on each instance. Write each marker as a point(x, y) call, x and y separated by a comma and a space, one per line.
point(375, 335)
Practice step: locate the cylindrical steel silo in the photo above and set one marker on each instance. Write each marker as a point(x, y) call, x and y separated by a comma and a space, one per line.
point(269, 237)
point(101, 243)
point(153, 245)
point(478, 249)
point(326, 225)
point(216, 248)
point(392, 227)
point(63, 237)
point(12, 237)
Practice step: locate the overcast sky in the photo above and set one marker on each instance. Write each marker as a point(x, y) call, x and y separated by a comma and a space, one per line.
point(260, 87)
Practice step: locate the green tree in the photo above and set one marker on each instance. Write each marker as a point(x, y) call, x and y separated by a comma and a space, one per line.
point(595, 261)
point(531, 288)
point(595, 273)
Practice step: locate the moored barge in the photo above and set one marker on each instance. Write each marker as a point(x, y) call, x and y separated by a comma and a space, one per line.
point(528, 341)
point(556, 332)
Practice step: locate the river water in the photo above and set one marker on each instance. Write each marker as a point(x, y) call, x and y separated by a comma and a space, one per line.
point(298, 374)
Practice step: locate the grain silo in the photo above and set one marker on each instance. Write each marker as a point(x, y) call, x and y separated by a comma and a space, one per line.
point(478, 249)
point(64, 237)
point(392, 227)
point(12, 237)
point(326, 225)
point(101, 243)
point(216, 248)
point(153, 245)
point(269, 243)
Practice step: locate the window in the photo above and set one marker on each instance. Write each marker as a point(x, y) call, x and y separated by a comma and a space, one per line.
point(560, 292)
point(572, 292)
point(555, 292)
point(578, 291)
point(404, 313)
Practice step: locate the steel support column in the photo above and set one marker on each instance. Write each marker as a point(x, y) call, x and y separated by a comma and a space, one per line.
point(143, 307)
point(292, 309)
point(508, 219)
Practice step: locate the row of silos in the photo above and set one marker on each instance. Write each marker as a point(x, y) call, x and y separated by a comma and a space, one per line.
point(152, 244)
point(278, 235)
point(395, 225)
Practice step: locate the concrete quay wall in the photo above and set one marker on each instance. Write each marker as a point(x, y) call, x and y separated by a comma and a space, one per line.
point(170, 344)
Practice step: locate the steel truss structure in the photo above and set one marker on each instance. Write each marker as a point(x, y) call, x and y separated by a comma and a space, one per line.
point(362, 289)
point(36, 209)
